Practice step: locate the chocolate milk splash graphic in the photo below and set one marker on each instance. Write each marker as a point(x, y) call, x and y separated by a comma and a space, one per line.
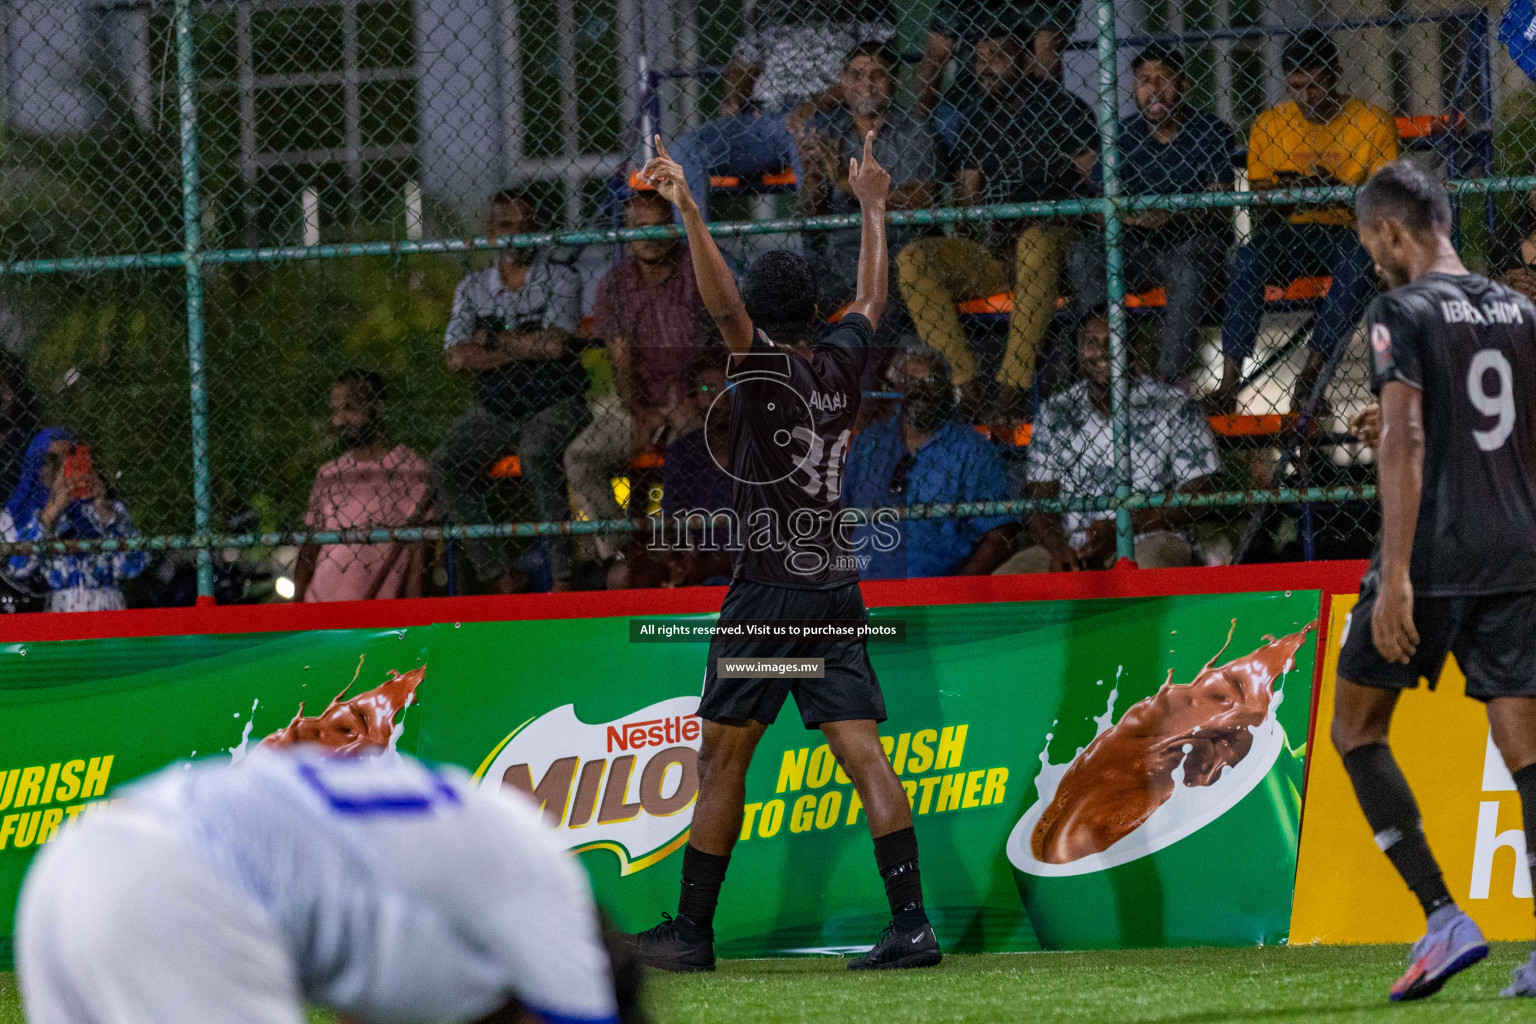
point(1183, 756)
point(364, 724)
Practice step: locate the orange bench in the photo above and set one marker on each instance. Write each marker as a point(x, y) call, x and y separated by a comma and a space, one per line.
point(1303, 289)
point(1001, 304)
point(1409, 129)
point(773, 179)
point(1221, 426)
point(510, 467)
point(1022, 432)
point(1422, 126)
point(1428, 126)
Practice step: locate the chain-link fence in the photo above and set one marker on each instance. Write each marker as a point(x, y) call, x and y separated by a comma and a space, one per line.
point(366, 298)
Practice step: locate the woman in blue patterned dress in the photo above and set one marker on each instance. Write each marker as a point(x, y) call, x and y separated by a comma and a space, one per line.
point(50, 503)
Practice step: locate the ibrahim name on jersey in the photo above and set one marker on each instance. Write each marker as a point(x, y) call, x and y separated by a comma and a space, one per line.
point(1469, 345)
point(396, 891)
point(791, 421)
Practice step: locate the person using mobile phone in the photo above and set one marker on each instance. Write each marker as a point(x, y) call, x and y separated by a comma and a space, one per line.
point(62, 496)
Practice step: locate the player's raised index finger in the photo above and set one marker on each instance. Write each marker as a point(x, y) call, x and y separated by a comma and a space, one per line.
point(869, 145)
point(661, 149)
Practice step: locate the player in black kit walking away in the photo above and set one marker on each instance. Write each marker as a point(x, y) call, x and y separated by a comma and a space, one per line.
point(1453, 361)
point(791, 420)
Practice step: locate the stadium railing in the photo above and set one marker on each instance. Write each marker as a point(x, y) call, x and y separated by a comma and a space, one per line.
point(1462, 136)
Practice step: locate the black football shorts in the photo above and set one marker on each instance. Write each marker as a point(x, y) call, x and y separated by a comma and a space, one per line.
point(849, 691)
point(1493, 637)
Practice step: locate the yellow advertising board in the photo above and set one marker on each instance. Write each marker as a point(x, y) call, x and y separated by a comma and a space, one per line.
point(1346, 890)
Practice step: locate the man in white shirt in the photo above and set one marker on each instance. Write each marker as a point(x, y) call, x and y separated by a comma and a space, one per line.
point(374, 886)
point(1071, 455)
point(511, 328)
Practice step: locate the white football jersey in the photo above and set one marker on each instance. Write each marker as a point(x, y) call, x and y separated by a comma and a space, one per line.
point(403, 892)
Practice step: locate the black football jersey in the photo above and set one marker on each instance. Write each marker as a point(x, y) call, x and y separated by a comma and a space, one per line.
point(1469, 345)
point(791, 421)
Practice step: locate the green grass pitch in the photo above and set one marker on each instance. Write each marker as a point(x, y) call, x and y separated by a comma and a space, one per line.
point(1329, 985)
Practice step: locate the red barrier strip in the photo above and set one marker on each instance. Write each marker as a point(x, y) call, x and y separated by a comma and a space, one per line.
point(1329, 577)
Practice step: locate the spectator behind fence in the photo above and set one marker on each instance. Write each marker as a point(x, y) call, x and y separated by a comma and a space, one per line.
point(1317, 138)
point(924, 454)
point(19, 419)
point(695, 485)
point(1028, 139)
point(1166, 149)
point(903, 146)
point(1512, 250)
point(953, 30)
point(649, 312)
point(60, 495)
point(1071, 455)
point(511, 326)
point(372, 485)
point(784, 69)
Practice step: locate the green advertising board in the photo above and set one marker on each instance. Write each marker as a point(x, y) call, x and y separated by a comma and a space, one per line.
point(1075, 768)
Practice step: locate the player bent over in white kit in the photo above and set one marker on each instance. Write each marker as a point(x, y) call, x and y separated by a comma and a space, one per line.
point(378, 887)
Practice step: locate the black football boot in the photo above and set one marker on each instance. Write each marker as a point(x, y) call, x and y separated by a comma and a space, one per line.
point(677, 944)
point(896, 949)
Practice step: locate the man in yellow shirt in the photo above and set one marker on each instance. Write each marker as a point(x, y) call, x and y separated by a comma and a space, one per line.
point(1317, 138)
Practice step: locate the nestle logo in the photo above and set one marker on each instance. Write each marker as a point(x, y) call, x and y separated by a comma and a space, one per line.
point(653, 732)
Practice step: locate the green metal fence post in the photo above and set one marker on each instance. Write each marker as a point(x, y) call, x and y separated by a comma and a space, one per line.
point(1114, 268)
point(197, 370)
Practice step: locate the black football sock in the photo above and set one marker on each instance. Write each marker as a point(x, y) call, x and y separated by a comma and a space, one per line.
point(1393, 813)
point(896, 856)
point(1525, 782)
point(703, 874)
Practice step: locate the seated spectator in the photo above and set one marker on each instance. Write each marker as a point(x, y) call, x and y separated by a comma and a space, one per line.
point(695, 484)
point(784, 69)
point(923, 454)
point(1512, 252)
point(952, 33)
point(373, 484)
point(1166, 149)
point(1071, 455)
point(1317, 138)
point(1028, 139)
point(511, 327)
point(19, 419)
point(903, 147)
point(60, 495)
point(649, 312)
point(1522, 276)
